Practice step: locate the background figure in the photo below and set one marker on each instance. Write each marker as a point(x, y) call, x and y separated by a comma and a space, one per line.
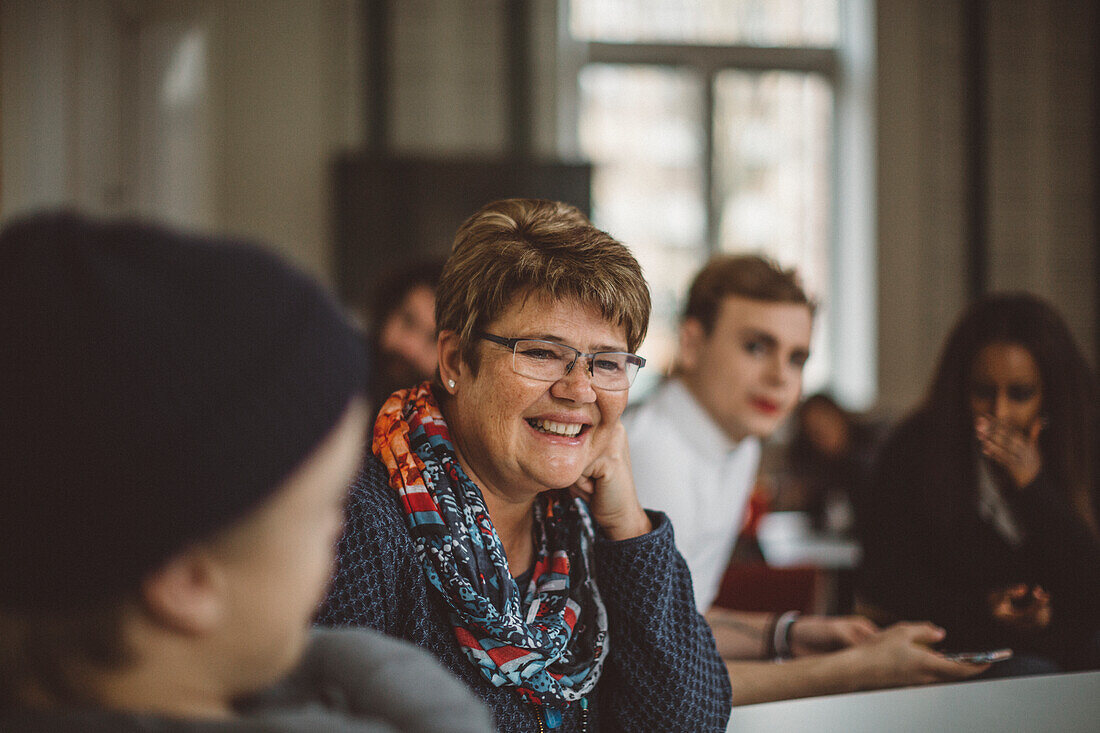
point(402, 329)
point(181, 419)
point(695, 443)
point(983, 511)
point(828, 463)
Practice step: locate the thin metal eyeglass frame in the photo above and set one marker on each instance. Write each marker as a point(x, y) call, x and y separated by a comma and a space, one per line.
point(510, 343)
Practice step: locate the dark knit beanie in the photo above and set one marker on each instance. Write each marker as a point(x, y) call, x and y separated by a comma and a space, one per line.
point(156, 387)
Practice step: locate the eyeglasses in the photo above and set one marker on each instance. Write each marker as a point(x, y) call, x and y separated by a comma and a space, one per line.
point(549, 361)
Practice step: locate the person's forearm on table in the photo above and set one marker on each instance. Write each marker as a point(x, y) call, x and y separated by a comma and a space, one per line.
point(898, 656)
point(740, 639)
point(760, 681)
point(738, 634)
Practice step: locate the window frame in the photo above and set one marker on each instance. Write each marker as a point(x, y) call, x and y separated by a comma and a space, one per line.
point(708, 62)
point(848, 67)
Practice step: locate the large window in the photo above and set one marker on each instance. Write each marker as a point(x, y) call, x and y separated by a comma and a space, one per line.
point(717, 126)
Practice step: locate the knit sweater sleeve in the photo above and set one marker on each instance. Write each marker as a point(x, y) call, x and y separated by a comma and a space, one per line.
point(663, 671)
point(377, 582)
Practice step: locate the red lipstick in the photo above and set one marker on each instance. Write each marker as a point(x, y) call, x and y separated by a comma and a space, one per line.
point(766, 406)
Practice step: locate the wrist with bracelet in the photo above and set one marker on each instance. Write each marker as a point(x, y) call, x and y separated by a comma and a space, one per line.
point(769, 636)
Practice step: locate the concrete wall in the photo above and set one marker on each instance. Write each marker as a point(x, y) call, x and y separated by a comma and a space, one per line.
point(274, 91)
point(59, 105)
point(219, 115)
point(922, 248)
point(288, 99)
point(1040, 96)
point(1043, 161)
point(82, 119)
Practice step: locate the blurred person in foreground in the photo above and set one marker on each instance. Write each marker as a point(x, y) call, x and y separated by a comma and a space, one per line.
point(983, 510)
point(744, 340)
point(181, 420)
point(496, 523)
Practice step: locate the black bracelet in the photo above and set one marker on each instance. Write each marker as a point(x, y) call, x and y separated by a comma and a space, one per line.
point(769, 636)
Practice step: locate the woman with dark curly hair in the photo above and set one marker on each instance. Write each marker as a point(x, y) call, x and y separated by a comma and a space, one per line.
point(983, 516)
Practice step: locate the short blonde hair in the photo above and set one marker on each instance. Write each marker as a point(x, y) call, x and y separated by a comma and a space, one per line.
point(748, 276)
point(532, 247)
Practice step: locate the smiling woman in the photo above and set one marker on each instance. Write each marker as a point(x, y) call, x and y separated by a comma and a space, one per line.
point(497, 523)
point(500, 419)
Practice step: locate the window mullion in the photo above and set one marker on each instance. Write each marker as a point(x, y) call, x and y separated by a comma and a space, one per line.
point(763, 58)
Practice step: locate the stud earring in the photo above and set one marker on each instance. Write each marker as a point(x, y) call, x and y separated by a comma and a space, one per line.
point(451, 383)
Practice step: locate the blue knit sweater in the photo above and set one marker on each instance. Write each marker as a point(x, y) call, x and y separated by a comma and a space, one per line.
point(662, 673)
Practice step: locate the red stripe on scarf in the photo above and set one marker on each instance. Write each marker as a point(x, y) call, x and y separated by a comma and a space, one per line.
point(570, 617)
point(420, 502)
point(504, 654)
point(465, 638)
point(560, 564)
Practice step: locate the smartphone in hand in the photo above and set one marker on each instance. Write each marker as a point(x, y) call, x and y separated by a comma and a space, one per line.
point(986, 657)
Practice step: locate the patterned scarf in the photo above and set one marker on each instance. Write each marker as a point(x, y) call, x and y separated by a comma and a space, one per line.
point(550, 640)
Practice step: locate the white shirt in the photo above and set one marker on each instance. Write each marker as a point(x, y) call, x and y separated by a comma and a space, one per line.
point(685, 466)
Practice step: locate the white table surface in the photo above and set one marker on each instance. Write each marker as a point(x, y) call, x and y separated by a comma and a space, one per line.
point(1066, 703)
point(787, 539)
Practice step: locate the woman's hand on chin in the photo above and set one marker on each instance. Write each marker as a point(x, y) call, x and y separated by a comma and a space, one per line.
point(607, 484)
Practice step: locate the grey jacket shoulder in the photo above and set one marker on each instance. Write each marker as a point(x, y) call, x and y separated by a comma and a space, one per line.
point(350, 681)
point(393, 679)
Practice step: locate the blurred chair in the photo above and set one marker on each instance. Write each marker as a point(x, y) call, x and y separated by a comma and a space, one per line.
point(758, 587)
